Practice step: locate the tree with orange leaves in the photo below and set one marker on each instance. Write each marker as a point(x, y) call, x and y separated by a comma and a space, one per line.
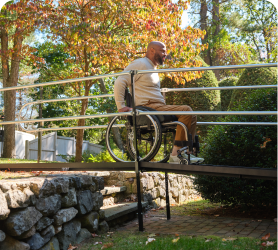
point(17, 21)
point(104, 36)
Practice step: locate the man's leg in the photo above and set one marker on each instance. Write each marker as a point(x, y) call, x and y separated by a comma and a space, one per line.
point(189, 121)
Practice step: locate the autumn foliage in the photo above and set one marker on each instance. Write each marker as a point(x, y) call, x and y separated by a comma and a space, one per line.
point(104, 36)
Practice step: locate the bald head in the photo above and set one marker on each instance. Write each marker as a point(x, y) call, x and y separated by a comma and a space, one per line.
point(156, 52)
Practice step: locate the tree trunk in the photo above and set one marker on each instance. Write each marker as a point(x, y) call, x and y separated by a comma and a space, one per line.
point(204, 26)
point(10, 79)
point(116, 131)
point(216, 25)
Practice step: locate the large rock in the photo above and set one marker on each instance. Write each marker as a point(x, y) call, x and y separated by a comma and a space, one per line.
point(147, 197)
point(21, 221)
point(31, 196)
point(43, 223)
point(83, 235)
point(90, 221)
point(56, 185)
point(68, 234)
point(174, 191)
point(97, 201)
point(49, 205)
point(147, 182)
point(80, 181)
point(69, 199)
point(85, 202)
point(4, 211)
point(39, 240)
point(12, 244)
point(17, 199)
point(162, 192)
point(155, 193)
point(2, 236)
point(101, 214)
point(99, 181)
point(27, 234)
point(64, 215)
point(36, 185)
point(103, 227)
point(53, 244)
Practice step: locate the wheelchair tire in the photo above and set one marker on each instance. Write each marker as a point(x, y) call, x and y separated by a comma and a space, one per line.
point(148, 137)
point(126, 134)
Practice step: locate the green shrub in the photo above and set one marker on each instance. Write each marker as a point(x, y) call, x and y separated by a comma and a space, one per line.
point(227, 94)
point(104, 156)
point(248, 146)
point(197, 100)
point(252, 76)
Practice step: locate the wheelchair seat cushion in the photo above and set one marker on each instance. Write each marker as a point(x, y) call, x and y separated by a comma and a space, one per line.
point(161, 118)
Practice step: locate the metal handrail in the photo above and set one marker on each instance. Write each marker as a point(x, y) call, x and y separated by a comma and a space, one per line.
point(139, 112)
point(206, 68)
point(65, 81)
point(165, 90)
point(60, 100)
point(66, 118)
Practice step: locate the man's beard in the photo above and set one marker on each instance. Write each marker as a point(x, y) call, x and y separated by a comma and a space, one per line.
point(158, 59)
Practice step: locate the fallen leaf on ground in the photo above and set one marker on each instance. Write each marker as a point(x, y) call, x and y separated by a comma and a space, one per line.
point(160, 208)
point(259, 220)
point(266, 236)
point(208, 240)
point(151, 235)
point(157, 234)
point(216, 215)
point(177, 235)
point(150, 240)
point(270, 243)
point(107, 245)
point(175, 240)
point(98, 242)
point(71, 247)
point(229, 239)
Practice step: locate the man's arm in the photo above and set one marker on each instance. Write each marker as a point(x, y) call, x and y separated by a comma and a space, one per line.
point(119, 92)
point(121, 83)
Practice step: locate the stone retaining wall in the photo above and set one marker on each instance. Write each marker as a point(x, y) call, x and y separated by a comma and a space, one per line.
point(180, 186)
point(50, 212)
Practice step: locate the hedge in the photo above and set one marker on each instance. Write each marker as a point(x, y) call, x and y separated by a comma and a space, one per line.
point(227, 94)
point(249, 146)
point(252, 76)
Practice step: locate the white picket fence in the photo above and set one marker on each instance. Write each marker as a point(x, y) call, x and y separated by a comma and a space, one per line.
point(20, 138)
point(53, 146)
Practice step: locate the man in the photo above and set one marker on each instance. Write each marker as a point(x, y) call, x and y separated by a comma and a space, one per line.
point(147, 93)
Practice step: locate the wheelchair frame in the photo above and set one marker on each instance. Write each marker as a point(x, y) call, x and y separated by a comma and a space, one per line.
point(152, 124)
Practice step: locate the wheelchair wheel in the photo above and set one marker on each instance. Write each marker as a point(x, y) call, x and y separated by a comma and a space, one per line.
point(148, 137)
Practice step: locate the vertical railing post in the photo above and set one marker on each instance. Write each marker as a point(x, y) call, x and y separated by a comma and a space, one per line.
point(40, 133)
point(167, 197)
point(137, 159)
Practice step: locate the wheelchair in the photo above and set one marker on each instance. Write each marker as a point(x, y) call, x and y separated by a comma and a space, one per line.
point(155, 137)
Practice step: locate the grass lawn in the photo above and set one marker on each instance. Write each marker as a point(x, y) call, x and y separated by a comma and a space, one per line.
point(137, 240)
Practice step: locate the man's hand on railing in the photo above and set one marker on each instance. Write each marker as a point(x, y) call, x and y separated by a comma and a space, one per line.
point(125, 109)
